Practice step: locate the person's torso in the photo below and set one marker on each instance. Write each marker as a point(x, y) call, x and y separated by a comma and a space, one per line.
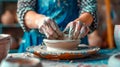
point(62, 11)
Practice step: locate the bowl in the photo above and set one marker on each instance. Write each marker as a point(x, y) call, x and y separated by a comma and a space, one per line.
point(114, 60)
point(117, 36)
point(21, 62)
point(54, 45)
point(5, 42)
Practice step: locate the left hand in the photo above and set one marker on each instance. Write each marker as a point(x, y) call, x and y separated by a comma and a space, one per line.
point(49, 28)
point(76, 30)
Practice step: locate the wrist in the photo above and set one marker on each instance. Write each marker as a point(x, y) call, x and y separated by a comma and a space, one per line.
point(39, 19)
point(83, 23)
point(80, 22)
point(85, 18)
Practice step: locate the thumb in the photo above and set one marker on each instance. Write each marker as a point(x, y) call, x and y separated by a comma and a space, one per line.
point(87, 31)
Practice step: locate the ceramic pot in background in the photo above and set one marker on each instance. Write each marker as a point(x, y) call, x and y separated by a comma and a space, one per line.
point(117, 36)
point(21, 62)
point(5, 42)
point(7, 18)
point(114, 60)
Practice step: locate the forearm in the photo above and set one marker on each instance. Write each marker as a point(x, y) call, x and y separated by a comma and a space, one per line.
point(31, 18)
point(23, 7)
point(44, 24)
point(85, 18)
point(88, 13)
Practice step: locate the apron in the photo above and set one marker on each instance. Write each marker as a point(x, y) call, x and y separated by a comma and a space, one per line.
point(62, 11)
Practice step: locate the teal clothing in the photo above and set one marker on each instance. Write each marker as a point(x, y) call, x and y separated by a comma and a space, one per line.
point(62, 14)
point(62, 11)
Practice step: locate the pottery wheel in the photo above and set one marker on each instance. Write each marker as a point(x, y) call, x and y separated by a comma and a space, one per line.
point(83, 51)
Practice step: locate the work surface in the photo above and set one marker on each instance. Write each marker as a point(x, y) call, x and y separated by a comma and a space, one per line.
point(100, 59)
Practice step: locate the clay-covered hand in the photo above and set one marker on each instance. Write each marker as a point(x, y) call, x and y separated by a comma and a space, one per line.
point(50, 29)
point(76, 30)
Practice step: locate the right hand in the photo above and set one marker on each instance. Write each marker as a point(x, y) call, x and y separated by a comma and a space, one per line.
point(48, 27)
point(76, 30)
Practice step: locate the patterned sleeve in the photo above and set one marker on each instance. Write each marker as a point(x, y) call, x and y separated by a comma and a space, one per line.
point(91, 7)
point(22, 8)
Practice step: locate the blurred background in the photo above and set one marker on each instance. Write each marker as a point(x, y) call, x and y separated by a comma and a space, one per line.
point(107, 34)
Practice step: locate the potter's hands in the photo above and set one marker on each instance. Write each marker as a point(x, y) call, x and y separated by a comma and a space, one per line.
point(76, 30)
point(48, 27)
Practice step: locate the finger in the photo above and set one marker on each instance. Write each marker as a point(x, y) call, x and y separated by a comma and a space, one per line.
point(53, 24)
point(66, 30)
point(50, 30)
point(40, 26)
point(40, 30)
point(71, 31)
point(82, 32)
point(86, 31)
point(77, 30)
point(45, 32)
point(44, 28)
point(55, 27)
